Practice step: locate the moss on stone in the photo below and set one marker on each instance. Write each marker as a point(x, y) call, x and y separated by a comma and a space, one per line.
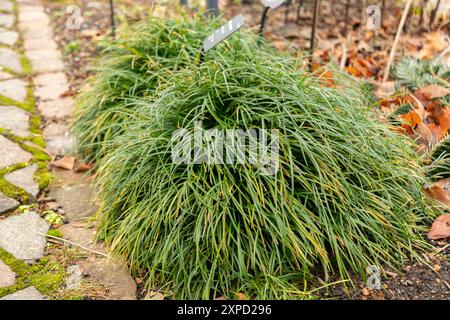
point(46, 275)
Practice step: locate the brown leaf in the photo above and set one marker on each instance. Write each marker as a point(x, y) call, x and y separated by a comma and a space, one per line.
point(153, 295)
point(440, 191)
point(365, 291)
point(241, 296)
point(440, 228)
point(433, 91)
point(81, 166)
point(67, 163)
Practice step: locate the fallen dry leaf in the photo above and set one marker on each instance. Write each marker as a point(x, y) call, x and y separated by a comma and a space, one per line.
point(81, 166)
point(67, 163)
point(241, 296)
point(440, 228)
point(153, 295)
point(440, 191)
point(365, 291)
point(433, 91)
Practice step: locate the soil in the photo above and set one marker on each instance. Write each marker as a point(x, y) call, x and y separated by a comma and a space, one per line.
point(81, 47)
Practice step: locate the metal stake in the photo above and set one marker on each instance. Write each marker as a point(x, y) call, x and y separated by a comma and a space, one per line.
point(313, 30)
point(113, 22)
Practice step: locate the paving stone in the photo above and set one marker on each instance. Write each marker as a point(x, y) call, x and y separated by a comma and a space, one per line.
point(23, 236)
point(11, 153)
point(40, 33)
point(111, 272)
point(50, 91)
point(29, 293)
point(7, 204)
point(5, 76)
point(58, 138)
point(6, 5)
point(7, 276)
point(32, 15)
point(55, 78)
point(6, 20)
point(57, 109)
point(77, 201)
point(42, 66)
point(8, 37)
point(38, 44)
point(10, 59)
point(15, 120)
point(15, 89)
point(46, 55)
point(24, 178)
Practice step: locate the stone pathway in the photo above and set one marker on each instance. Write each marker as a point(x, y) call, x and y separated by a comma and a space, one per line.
point(31, 113)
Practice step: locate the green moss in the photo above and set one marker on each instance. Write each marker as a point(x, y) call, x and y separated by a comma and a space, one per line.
point(11, 190)
point(46, 275)
point(55, 233)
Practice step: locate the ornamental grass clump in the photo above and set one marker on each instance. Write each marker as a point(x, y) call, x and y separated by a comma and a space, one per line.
point(347, 192)
point(133, 67)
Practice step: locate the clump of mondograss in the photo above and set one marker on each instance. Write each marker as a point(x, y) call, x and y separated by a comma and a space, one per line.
point(132, 67)
point(347, 194)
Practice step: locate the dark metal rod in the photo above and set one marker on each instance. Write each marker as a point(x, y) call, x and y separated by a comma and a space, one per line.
point(212, 7)
point(263, 20)
point(313, 29)
point(113, 22)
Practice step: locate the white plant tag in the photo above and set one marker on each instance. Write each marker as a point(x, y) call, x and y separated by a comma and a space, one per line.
point(223, 32)
point(272, 4)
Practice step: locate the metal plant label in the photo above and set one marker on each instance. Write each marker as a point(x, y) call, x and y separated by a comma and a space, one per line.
point(223, 32)
point(272, 4)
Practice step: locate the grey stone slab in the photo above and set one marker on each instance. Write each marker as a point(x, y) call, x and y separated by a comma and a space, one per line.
point(6, 5)
point(10, 59)
point(29, 293)
point(7, 204)
point(23, 236)
point(43, 66)
point(8, 37)
point(56, 109)
point(77, 201)
point(54, 79)
point(50, 91)
point(41, 33)
point(6, 20)
point(43, 55)
point(7, 276)
point(15, 89)
point(50, 86)
point(24, 178)
point(11, 153)
point(59, 139)
point(38, 44)
point(5, 76)
point(15, 120)
point(113, 272)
